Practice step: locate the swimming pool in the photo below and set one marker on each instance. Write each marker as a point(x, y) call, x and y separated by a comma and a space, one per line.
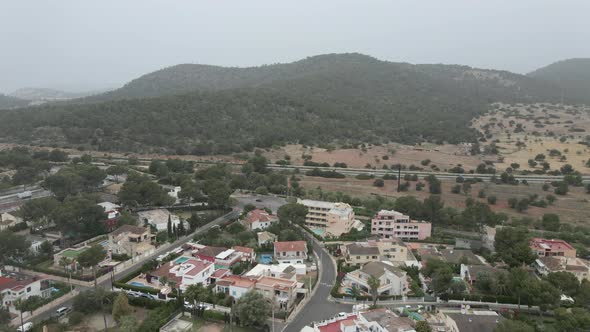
point(137, 284)
point(319, 231)
point(181, 260)
point(348, 290)
point(265, 258)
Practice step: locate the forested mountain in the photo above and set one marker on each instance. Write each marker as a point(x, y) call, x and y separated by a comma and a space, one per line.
point(11, 102)
point(572, 76)
point(350, 98)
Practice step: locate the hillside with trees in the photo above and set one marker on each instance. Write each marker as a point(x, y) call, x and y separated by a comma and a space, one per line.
point(11, 102)
point(572, 76)
point(343, 98)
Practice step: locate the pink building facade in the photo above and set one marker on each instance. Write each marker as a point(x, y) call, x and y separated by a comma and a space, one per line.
point(392, 224)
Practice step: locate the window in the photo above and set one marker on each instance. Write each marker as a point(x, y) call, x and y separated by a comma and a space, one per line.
point(28, 289)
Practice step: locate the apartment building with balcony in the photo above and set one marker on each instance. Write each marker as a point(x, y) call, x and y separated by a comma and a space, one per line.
point(392, 224)
point(15, 286)
point(328, 219)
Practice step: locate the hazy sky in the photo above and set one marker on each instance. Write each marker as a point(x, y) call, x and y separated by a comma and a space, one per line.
point(83, 44)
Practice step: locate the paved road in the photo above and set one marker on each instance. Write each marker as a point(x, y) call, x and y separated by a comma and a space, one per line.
point(269, 201)
point(440, 175)
point(319, 307)
point(107, 283)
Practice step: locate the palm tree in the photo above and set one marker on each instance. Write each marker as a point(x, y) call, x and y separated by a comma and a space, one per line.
point(163, 280)
point(64, 261)
point(374, 285)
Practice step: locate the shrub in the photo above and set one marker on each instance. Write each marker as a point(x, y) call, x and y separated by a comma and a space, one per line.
point(492, 200)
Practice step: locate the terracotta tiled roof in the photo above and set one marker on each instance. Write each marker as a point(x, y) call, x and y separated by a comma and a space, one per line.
point(258, 215)
point(245, 250)
point(211, 251)
point(291, 246)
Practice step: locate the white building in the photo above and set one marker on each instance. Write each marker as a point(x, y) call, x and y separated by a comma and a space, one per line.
point(159, 218)
point(290, 252)
point(258, 219)
point(111, 209)
point(15, 286)
point(393, 280)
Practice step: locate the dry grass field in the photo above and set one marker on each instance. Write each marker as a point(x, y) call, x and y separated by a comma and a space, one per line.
point(443, 156)
point(524, 131)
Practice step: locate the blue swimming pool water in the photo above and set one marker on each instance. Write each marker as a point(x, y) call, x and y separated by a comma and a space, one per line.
point(181, 260)
point(137, 284)
point(348, 290)
point(319, 231)
point(265, 258)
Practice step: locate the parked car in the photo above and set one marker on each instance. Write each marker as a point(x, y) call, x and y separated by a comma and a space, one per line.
point(25, 327)
point(62, 311)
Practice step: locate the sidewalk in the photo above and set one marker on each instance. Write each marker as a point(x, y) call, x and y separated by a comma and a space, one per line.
point(51, 305)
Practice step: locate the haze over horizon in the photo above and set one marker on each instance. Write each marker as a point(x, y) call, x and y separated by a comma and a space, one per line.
point(77, 46)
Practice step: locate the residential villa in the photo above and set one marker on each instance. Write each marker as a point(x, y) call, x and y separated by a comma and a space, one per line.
point(69, 255)
point(576, 266)
point(282, 291)
point(227, 258)
point(183, 272)
point(545, 248)
point(283, 271)
point(392, 250)
point(392, 224)
point(266, 238)
point(235, 286)
point(8, 220)
point(376, 320)
point(159, 219)
point(328, 219)
point(258, 219)
point(290, 252)
point(207, 253)
point(111, 209)
point(470, 273)
point(476, 321)
point(248, 254)
point(131, 240)
point(393, 280)
point(16, 286)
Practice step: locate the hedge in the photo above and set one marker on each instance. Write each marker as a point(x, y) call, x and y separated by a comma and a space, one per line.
point(214, 315)
point(148, 290)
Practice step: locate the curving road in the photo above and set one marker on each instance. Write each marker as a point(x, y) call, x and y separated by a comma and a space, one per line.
point(319, 307)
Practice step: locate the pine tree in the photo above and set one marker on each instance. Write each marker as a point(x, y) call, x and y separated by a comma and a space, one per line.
point(169, 226)
point(174, 231)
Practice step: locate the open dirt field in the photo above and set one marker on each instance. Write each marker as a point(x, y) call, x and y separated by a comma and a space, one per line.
point(443, 156)
point(573, 208)
point(524, 131)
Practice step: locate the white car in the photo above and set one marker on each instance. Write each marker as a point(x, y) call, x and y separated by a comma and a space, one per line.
point(25, 327)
